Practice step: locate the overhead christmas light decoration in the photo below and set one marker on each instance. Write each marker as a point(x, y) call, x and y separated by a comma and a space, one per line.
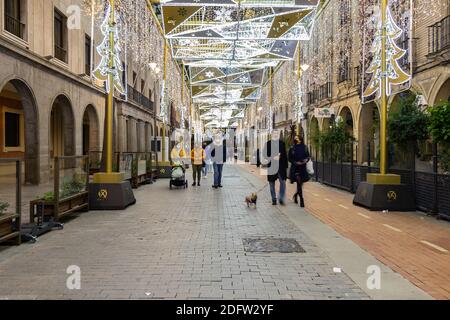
point(394, 74)
point(228, 46)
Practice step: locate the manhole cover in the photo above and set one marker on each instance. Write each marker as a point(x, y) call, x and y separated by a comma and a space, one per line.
point(269, 245)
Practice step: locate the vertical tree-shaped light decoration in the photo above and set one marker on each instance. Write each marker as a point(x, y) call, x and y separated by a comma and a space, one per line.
point(298, 108)
point(110, 66)
point(270, 111)
point(394, 74)
point(163, 112)
point(386, 73)
point(181, 107)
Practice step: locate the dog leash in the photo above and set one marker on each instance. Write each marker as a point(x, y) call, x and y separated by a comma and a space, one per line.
point(261, 189)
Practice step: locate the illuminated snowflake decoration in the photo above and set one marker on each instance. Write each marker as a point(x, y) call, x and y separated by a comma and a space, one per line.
point(243, 79)
point(219, 90)
point(223, 15)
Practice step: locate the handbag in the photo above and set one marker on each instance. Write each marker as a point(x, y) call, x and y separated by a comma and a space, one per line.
point(310, 168)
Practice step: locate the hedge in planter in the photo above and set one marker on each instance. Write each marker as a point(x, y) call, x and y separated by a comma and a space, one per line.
point(73, 196)
point(3, 207)
point(439, 127)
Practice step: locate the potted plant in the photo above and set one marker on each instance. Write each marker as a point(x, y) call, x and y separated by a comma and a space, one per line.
point(9, 224)
point(3, 207)
point(71, 197)
point(406, 127)
point(439, 127)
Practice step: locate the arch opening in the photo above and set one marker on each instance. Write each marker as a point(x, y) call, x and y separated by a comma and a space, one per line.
point(369, 133)
point(91, 131)
point(62, 128)
point(19, 132)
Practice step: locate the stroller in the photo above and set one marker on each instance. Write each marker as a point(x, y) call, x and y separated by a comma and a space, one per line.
point(178, 177)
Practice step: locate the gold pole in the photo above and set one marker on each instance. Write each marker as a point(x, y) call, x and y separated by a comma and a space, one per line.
point(164, 120)
point(110, 101)
point(271, 101)
point(299, 74)
point(383, 129)
point(270, 87)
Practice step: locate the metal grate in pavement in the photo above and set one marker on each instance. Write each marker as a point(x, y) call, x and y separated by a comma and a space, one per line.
point(272, 245)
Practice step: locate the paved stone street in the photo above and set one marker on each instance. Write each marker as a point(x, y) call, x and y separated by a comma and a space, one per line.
point(414, 245)
point(187, 244)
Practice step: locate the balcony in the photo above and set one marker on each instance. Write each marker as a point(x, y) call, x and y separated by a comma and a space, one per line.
point(14, 26)
point(321, 93)
point(139, 98)
point(439, 36)
point(326, 91)
point(60, 53)
point(344, 75)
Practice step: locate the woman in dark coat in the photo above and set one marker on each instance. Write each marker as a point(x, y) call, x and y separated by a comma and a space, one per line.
point(299, 157)
point(277, 165)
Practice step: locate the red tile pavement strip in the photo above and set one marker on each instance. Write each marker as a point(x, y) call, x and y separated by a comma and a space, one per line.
point(415, 246)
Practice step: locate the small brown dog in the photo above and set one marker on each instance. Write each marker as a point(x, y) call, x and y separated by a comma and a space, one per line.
point(251, 200)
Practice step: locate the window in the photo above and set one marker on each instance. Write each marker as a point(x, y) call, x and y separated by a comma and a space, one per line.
point(134, 79)
point(142, 86)
point(13, 22)
point(60, 35)
point(344, 68)
point(124, 72)
point(13, 130)
point(87, 55)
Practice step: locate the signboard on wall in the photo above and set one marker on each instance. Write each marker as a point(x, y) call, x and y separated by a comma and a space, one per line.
point(324, 112)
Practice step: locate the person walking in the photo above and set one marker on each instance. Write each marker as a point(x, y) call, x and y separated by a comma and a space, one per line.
point(197, 158)
point(299, 157)
point(219, 158)
point(207, 164)
point(275, 156)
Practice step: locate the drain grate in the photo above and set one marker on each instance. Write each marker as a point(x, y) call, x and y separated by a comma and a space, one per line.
point(272, 245)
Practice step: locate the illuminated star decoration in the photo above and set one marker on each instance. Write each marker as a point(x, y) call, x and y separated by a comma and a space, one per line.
point(395, 75)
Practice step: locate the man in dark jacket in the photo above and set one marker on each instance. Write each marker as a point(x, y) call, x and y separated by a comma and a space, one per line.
point(275, 156)
point(218, 158)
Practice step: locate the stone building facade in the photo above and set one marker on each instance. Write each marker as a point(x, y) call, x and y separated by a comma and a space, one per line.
point(49, 105)
point(334, 77)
